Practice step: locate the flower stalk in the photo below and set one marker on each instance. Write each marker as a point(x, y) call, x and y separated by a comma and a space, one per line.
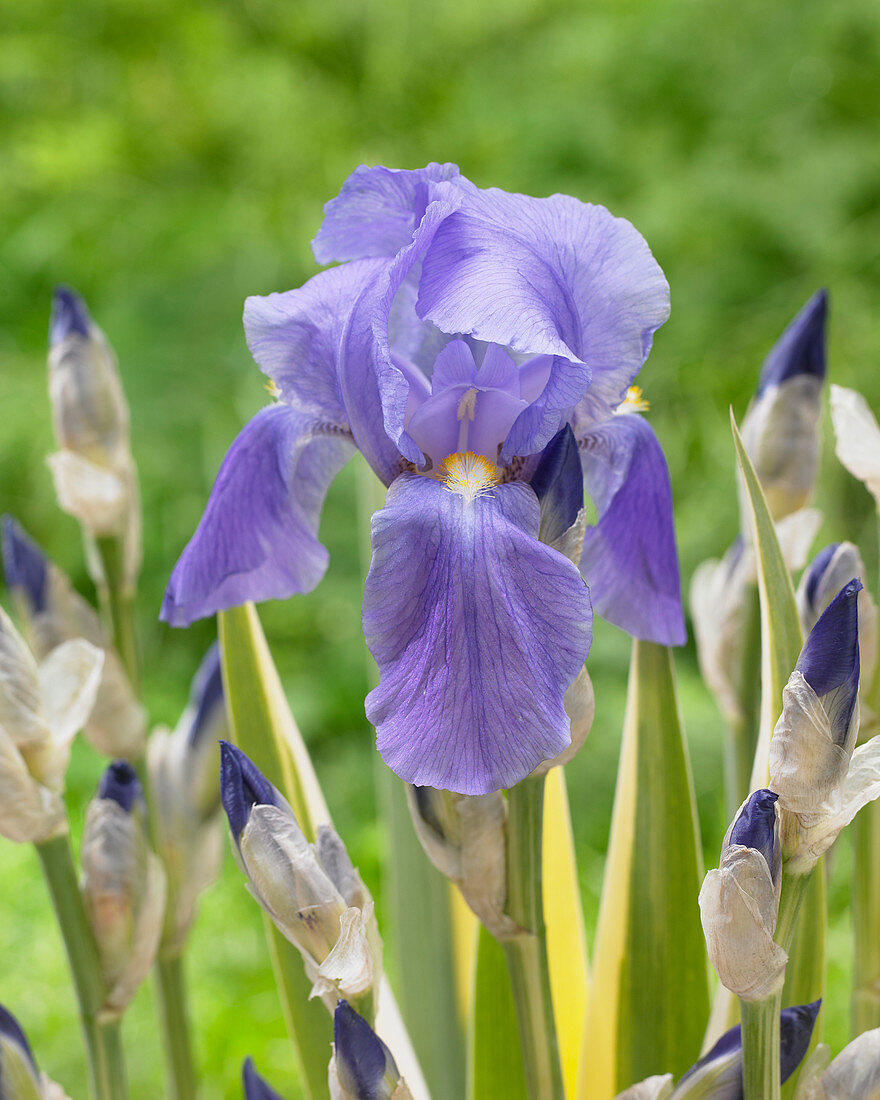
point(526, 953)
point(117, 603)
point(866, 915)
point(104, 1054)
point(175, 1030)
point(760, 1046)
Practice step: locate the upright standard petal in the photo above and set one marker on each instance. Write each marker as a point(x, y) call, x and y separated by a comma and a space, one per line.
point(551, 276)
point(295, 337)
point(630, 560)
point(374, 321)
point(377, 211)
point(258, 537)
point(477, 628)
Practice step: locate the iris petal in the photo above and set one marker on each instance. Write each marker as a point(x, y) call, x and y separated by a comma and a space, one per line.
point(477, 628)
point(295, 336)
point(550, 276)
point(377, 211)
point(257, 539)
point(629, 558)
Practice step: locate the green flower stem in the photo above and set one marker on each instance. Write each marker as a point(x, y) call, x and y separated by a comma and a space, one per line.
point(117, 602)
point(105, 1059)
point(175, 1028)
point(866, 919)
point(794, 888)
point(527, 953)
point(760, 1046)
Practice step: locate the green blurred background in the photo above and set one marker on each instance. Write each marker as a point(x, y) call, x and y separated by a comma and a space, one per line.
point(169, 158)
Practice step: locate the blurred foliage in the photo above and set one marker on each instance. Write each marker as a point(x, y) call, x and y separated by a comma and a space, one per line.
point(168, 159)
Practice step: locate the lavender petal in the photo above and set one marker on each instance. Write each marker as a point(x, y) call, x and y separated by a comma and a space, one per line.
point(257, 539)
point(478, 630)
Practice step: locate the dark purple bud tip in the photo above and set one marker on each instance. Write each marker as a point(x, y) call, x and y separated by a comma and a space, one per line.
point(816, 571)
point(829, 660)
point(69, 314)
point(801, 348)
point(121, 784)
point(363, 1062)
point(558, 483)
point(242, 786)
point(24, 564)
point(755, 827)
point(206, 694)
point(795, 1031)
point(255, 1088)
point(11, 1029)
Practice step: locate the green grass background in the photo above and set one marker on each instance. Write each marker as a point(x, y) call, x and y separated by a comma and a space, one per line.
point(170, 158)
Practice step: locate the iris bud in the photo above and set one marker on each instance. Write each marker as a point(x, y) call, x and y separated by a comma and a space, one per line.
point(183, 768)
point(20, 1079)
point(826, 575)
point(820, 780)
point(718, 1074)
point(780, 430)
point(123, 886)
point(54, 612)
point(255, 1088)
point(464, 836)
point(717, 609)
point(41, 708)
point(739, 903)
point(558, 483)
point(853, 1075)
point(312, 892)
point(718, 604)
point(94, 472)
point(362, 1066)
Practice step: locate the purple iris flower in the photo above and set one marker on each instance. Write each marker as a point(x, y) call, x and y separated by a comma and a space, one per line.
point(462, 331)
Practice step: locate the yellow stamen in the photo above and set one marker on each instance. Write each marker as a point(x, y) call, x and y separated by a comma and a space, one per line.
point(272, 389)
point(468, 474)
point(633, 402)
